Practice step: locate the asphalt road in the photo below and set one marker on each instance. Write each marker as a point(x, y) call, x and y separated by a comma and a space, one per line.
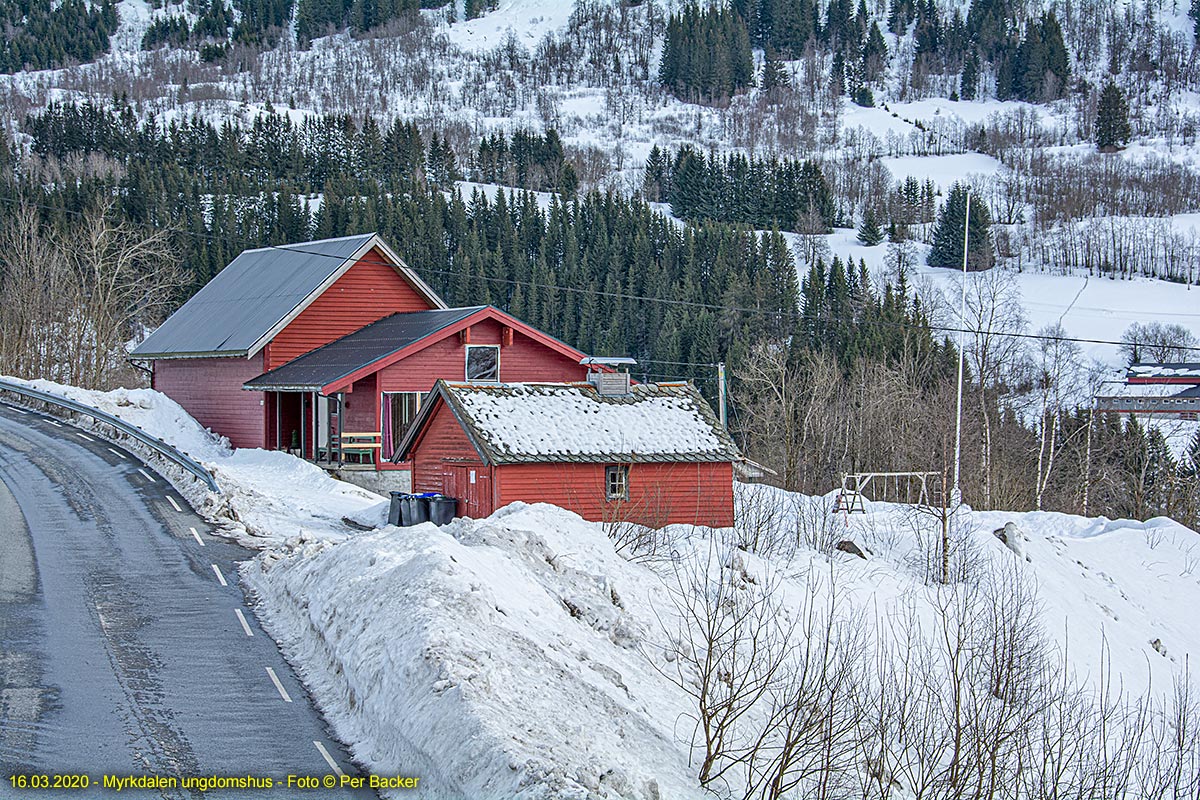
point(126, 644)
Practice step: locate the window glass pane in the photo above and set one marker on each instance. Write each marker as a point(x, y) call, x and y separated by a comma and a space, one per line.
point(483, 363)
point(616, 481)
point(399, 410)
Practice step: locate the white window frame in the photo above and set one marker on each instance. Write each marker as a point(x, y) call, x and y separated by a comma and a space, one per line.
point(384, 408)
point(467, 363)
point(621, 471)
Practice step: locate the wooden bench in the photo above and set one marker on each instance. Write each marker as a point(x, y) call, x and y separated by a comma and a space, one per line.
point(361, 445)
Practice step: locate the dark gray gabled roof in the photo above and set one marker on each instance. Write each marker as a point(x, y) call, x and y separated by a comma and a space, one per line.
point(538, 423)
point(258, 291)
point(338, 359)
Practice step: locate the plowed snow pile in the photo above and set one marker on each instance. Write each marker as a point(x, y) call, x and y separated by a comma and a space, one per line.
point(523, 656)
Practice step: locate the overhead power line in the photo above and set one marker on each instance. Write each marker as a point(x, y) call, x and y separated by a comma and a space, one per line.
point(945, 329)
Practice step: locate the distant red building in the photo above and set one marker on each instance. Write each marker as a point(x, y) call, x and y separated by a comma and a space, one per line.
point(326, 349)
point(652, 454)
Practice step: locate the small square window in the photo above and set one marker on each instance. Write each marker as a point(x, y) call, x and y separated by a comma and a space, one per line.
point(616, 482)
point(483, 363)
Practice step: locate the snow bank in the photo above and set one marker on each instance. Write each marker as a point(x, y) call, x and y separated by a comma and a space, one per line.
point(499, 658)
point(521, 656)
point(266, 497)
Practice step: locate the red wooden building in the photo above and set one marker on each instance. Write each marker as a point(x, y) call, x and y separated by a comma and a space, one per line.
point(326, 349)
point(653, 454)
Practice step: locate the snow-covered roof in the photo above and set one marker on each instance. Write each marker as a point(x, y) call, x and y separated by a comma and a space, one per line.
point(1117, 389)
point(1163, 371)
point(539, 422)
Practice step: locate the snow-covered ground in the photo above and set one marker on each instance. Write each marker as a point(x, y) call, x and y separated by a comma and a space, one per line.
point(523, 656)
point(1088, 307)
point(527, 20)
point(267, 497)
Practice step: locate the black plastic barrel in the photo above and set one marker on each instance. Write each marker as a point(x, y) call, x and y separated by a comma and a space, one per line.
point(441, 509)
point(414, 509)
point(394, 508)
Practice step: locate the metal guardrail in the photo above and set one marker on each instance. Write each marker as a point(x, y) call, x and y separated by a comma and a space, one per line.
point(153, 442)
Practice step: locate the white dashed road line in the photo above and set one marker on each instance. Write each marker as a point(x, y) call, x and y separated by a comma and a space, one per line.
point(115, 453)
point(84, 436)
point(55, 424)
point(329, 759)
point(145, 475)
point(174, 505)
point(220, 577)
point(242, 619)
point(275, 680)
point(197, 536)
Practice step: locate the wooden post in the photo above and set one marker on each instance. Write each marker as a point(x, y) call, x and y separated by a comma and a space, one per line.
point(341, 398)
point(721, 392)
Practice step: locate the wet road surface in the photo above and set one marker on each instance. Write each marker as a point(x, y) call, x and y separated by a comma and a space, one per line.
point(126, 643)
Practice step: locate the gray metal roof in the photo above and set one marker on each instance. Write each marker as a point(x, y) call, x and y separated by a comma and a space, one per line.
point(246, 300)
point(339, 358)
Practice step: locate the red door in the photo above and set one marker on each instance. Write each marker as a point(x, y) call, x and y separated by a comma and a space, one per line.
point(472, 487)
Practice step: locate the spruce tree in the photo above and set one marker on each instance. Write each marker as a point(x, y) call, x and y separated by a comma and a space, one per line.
point(869, 233)
point(1057, 62)
point(968, 83)
point(1112, 120)
point(948, 234)
point(875, 53)
point(654, 181)
point(773, 74)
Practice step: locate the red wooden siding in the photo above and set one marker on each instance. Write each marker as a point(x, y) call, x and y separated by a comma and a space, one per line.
point(659, 494)
point(369, 290)
point(442, 445)
point(362, 407)
point(523, 360)
point(210, 389)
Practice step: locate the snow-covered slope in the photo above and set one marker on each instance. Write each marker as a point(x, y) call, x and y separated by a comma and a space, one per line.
point(521, 656)
point(524, 656)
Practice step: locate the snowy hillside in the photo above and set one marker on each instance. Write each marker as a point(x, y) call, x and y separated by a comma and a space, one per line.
point(521, 656)
point(528, 656)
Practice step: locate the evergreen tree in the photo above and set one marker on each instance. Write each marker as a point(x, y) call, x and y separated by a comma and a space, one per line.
point(900, 15)
point(874, 54)
point(947, 248)
point(773, 74)
point(869, 233)
point(968, 83)
point(707, 55)
point(1194, 13)
point(1112, 120)
point(654, 180)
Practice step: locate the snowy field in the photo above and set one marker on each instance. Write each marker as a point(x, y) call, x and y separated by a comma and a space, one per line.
point(524, 656)
point(1088, 307)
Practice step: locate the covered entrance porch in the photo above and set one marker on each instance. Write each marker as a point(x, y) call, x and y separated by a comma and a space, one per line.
point(339, 430)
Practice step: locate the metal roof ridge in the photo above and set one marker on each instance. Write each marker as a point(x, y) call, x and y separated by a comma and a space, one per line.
point(297, 245)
